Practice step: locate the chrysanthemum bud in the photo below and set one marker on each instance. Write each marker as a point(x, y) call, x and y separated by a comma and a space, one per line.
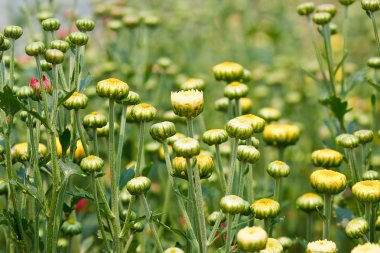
point(329, 8)
point(24, 92)
point(132, 99)
point(367, 191)
point(366, 248)
point(51, 24)
point(35, 85)
point(186, 147)
point(35, 48)
point(71, 227)
point(286, 242)
point(54, 56)
point(125, 197)
point(239, 128)
point(371, 5)
point(364, 136)
point(309, 202)
point(85, 25)
point(76, 101)
point(174, 250)
point(251, 141)
point(371, 175)
point(235, 90)
point(60, 45)
point(2, 38)
point(13, 32)
point(204, 162)
point(228, 71)
point(131, 21)
point(20, 151)
point(3, 187)
point(221, 104)
point(193, 84)
point(91, 164)
point(374, 62)
point(115, 25)
point(232, 204)
point(79, 153)
point(273, 246)
point(138, 227)
point(321, 246)
point(188, 103)
point(94, 120)
point(138, 185)
point(347, 141)
point(269, 114)
point(265, 208)
point(251, 239)
point(356, 228)
point(112, 88)
point(5, 45)
point(143, 112)
point(278, 169)
point(347, 2)
point(248, 154)
point(328, 181)
point(172, 117)
point(321, 18)
point(151, 21)
point(214, 216)
point(78, 38)
point(44, 14)
point(247, 76)
point(281, 135)
point(326, 158)
point(215, 137)
point(163, 130)
point(245, 105)
point(175, 137)
point(104, 131)
point(46, 66)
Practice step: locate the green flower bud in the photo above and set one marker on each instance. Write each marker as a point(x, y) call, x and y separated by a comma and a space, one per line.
point(193, 84)
point(278, 169)
point(143, 112)
point(321, 246)
point(78, 38)
point(112, 88)
point(46, 66)
point(164, 62)
point(364, 136)
point(309, 202)
point(85, 25)
point(374, 62)
point(371, 5)
point(5, 45)
point(13, 32)
point(94, 120)
point(54, 56)
point(125, 197)
point(188, 103)
point(71, 227)
point(138, 227)
point(248, 154)
point(366, 248)
point(235, 90)
point(91, 164)
point(131, 21)
point(367, 191)
point(25, 92)
point(269, 114)
point(245, 105)
point(221, 104)
point(3, 187)
point(347, 2)
point(215, 137)
point(326, 158)
point(232, 204)
point(214, 216)
point(76, 101)
point(35, 48)
point(186, 147)
point(286, 242)
point(247, 209)
point(251, 239)
point(60, 45)
point(347, 141)
point(138, 185)
point(228, 72)
point(257, 123)
point(104, 131)
point(115, 25)
point(247, 76)
point(251, 142)
point(371, 175)
point(175, 137)
point(329, 8)
point(174, 250)
point(161, 131)
point(204, 162)
point(273, 246)
point(172, 117)
point(20, 151)
point(321, 18)
point(43, 15)
point(132, 99)
point(281, 135)
point(328, 181)
point(51, 24)
point(239, 128)
point(2, 38)
point(356, 228)
point(151, 21)
point(265, 208)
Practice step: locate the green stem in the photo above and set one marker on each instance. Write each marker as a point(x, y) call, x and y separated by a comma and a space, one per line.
point(222, 179)
point(73, 135)
point(12, 64)
point(232, 167)
point(229, 233)
point(96, 146)
point(62, 77)
point(238, 107)
point(114, 183)
point(129, 211)
point(190, 127)
point(140, 148)
point(98, 213)
point(309, 227)
point(76, 68)
point(277, 190)
point(327, 209)
point(330, 61)
point(243, 167)
point(151, 224)
point(121, 141)
point(370, 220)
point(374, 26)
point(267, 226)
point(250, 187)
point(128, 244)
point(345, 26)
point(81, 133)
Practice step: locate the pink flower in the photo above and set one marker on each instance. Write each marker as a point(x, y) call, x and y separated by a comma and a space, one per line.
point(35, 84)
point(82, 203)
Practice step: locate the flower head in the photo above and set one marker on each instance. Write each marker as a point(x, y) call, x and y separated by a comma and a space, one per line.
point(187, 103)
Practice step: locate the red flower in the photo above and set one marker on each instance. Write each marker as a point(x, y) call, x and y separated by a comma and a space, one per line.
point(35, 84)
point(82, 203)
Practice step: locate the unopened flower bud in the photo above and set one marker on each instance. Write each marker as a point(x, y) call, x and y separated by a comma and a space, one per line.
point(356, 228)
point(228, 72)
point(371, 5)
point(246, 105)
point(221, 104)
point(321, 246)
point(371, 175)
point(347, 141)
point(163, 130)
point(251, 239)
point(71, 227)
point(366, 248)
point(239, 128)
point(91, 164)
point(193, 84)
point(286, 242)
point(5, 45)
point(309, 202)
point(143, 112)
point(232, 204)
point(112, 88)
point(367, 191)
point(347, 2)
point(60, 45)
point(214, 216)
point(51, 24)
point(186, 147)
point(269, 114)
point(188, 103)
point(215, 137)
point(278, 169)
point(321, 18)
point(273, 246)
point(13, 32)
point(35, 48)
point(328, 181)
point(85, 25)
point(138, 185)
point(76, 101)
point(235, 90)
point(374, 62)
point(94, 120)
point(132, 99)
point(329, 8)
point(248, 154)
point(364, 136)
point(326, 158)
point(24, 92)
point(281, 135)
point(78, 38)
point(174, 250)
point(54, 56)
point(265, 208)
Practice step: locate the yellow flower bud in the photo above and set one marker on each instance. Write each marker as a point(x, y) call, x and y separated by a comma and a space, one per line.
point(231, 204)
point(174, 250)
point(321, 246)
point(186, 147)
point(273, 246)
point(143, 112)
point(328, 181)
point(204, 162)
point(235, 90)
point(269, 114)
point(326, 158)
point(94, 120)
point(356, 228)
point(215, 137)
point(187, 103)
point(366, 248)
point(193, 84)
point(239, 128)
point(76, 101)
point(281, 135)
point(112, 88)
point(228, 71)
point(251, 239)
point(309, 202)
point(367, 191)
point(278, 169)
point(246, 105)
point(265, 208)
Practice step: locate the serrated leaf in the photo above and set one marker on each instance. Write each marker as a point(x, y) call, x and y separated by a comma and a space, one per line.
point(9, 102)
point(337, 106)
point(70, 168)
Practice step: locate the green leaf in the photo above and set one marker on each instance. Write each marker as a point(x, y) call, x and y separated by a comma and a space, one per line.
point(147, 169)
point(126, 175)
point(173, 230)
point(70, 168)
point(337, 106)
point(355, 79)
point(9, 102)
point(84, 82)
point(374, 85)
point(36, 115)
point(340, 63)
point(81, 193)
point(64, 139)
point(44, 161)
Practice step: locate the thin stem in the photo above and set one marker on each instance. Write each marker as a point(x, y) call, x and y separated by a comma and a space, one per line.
point(121, 141)
point(345, 31)
point(371, 222)
point(309, 227)
point(95, 138)
point(327, 213)
point(62, 77)
point(330, 61)
point(267, 224)
point(374, 26)
point(128, 244)
point(151, 224)
point(277, 190)
point(12, 64)
point(98, 213)
point(76, 68)
point(232, 167)
point(140, 148)
point(81, 133)
point(129, 211)
point(250, 187)
point(222, 179)
point(229, 233)
point(243, 167)
point(351, 165)
point(200, 208)
point(190, 127)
